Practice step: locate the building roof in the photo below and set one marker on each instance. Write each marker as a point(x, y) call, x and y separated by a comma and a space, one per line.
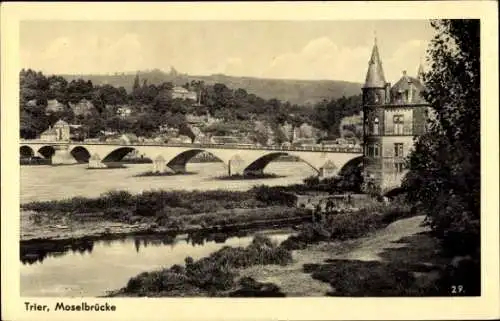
point(49, 131)
point(179, 89)
point(375, 76)
point(61, 122)
point(403, 85)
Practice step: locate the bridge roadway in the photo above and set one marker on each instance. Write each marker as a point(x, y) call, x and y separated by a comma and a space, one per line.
point(239, 159)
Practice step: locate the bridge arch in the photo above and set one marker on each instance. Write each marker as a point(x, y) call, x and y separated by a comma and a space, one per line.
point(26, 151)
point(81, 154)
point(47, 151)
point(117, 154)
point(258, 165)
point(354, 163)
point(178, 163)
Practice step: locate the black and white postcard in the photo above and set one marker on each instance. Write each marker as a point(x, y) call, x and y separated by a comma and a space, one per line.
point(284, 161)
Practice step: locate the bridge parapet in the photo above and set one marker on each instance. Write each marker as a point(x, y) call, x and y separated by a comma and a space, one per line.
point(330, 149)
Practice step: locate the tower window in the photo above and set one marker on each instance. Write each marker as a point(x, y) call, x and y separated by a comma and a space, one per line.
point(376, 151)
point(375, 126)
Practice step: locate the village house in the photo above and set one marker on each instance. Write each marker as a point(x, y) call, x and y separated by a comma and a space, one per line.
point(53, 105)
point(83, 107)
point(59, 132)
point(183, 93)
point(203, 120)
point(181, 139)
point(124, 111)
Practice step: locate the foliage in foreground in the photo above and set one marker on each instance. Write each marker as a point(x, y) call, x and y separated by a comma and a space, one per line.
point(210, 275)
point(345, 226)
point(445, 177)
point(149, 203)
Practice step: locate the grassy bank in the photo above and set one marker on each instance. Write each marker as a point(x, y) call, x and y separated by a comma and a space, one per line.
point(155, 211)
point(248, 176)
point(214, 275)
point(344, 226)
point(153, 174)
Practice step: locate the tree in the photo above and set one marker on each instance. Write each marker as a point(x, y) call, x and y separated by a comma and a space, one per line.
point(136, 85)
point(444, 176)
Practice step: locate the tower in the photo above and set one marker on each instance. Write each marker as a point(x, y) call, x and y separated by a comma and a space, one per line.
point(393, 116)
point(375, 95)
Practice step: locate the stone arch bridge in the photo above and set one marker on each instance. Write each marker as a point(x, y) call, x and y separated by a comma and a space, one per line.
point(238, 159)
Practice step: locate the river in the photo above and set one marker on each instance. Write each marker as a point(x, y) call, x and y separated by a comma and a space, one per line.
point(43, 183)
point(108, 265)
point(101, 266)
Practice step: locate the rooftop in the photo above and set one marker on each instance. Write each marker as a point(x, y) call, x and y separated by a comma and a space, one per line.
point(375, 76)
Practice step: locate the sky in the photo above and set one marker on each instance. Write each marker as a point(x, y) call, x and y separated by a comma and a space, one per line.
point(334, 50)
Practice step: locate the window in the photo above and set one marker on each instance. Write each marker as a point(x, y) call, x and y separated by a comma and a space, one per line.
point(398, 121)
point(369, 150)
point(399, 167)
point(375, 126)
point(398, 150)
point(375, 150)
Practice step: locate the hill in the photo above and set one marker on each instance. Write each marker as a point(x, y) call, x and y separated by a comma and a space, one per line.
point(302, 92)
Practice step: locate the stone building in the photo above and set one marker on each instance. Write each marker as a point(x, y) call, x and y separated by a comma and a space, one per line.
point(183, 93)
point(83, 107)
point(59, 132)
point(392, 116)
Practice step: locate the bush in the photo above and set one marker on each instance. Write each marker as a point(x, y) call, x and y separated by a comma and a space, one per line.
point(210, 274)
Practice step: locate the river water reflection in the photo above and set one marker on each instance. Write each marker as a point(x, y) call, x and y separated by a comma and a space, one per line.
point(91, 269)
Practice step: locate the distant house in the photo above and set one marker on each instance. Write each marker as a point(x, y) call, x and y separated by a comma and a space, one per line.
point(59, 132)
point(31, 103)
point(54, 105)
point(128, 139)
point(233, 140)
point(49, 135)
point(304, 142)
point(201, 120)
point(108, 133)
point(202, 139)
point(183, 93)
point(124, 111)
point(83, 107)
point(181, 139)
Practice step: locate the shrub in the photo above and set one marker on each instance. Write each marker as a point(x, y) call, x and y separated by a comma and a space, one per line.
point(210, 274)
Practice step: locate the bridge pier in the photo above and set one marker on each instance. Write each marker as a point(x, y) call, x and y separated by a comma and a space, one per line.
point(160, 165)
point(62, 156)
point(236, 166)
point(95, 162)
point(328, 170)
point(178, 168)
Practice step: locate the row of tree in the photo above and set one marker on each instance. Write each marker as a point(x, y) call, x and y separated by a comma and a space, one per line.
point(444, 181)
point(153, 106)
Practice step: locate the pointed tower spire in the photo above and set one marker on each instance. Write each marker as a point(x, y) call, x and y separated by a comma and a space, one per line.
point(420, 72)
point(375, 75)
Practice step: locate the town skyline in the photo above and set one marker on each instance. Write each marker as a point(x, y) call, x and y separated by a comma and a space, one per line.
point(262, 49)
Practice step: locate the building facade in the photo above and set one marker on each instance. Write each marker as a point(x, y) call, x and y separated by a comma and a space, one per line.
point(183, 93)
point(392, 117)
point(59, 132)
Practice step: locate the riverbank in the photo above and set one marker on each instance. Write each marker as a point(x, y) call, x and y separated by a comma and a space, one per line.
point(119, 213)
point(318, 268)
